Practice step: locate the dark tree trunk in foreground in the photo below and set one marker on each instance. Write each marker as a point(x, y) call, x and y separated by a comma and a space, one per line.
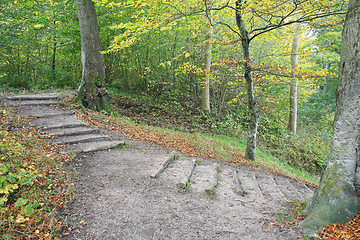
point(91, 92)
point(254, 113)
point(336, 199)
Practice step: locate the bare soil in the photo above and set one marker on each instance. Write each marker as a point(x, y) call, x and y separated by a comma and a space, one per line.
point(115, 198)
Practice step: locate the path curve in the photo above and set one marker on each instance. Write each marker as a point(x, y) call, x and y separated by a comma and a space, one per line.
point(116, 197)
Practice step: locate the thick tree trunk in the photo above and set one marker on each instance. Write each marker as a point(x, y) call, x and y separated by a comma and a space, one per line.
point(91, 92)
point(336, 199)
point(205, 96)
point(294, 83)
point(254, 113)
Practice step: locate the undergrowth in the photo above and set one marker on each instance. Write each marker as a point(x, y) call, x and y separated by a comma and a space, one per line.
point(303, 151)
point(32, 183)
point(228, 149)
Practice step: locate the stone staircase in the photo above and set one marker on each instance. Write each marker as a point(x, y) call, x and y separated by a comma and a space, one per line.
point(63, 127)
point(258, 186)
point(60, 125)
point(152, 177)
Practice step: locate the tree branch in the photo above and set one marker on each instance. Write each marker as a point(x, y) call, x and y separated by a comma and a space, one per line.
point(300, 20)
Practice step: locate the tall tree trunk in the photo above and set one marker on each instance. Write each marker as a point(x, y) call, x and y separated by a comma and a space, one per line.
point(91, 92)
point(254, 113)
point(336, 199)
point(294, 83)
point(223, 88)
point(205, 93)
point(54, 52)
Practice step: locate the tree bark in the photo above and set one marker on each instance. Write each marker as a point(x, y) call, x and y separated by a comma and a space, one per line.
point(205, 94)
point(336, 199)
point(91, 92)
point(294, 83)
point(254, 113)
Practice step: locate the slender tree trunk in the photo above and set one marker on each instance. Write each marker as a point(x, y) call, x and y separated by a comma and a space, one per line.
point(205, 92)
point(336, 199)
point(54, 53)
point(224, 87)
point(254, 113)
point(91, 92)
point(294, 83)
point(19, 61)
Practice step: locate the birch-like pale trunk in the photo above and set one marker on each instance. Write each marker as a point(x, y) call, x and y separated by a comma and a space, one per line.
point(294, 82)
point(91, 92)
point(205, 91)
point(336, 199)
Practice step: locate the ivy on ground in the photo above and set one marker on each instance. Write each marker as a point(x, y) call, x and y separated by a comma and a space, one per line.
point(32, 183)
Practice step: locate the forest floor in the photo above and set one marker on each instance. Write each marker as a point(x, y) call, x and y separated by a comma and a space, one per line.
point(116, 198)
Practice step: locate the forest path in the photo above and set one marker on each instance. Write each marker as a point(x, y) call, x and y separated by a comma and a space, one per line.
point(116, 197)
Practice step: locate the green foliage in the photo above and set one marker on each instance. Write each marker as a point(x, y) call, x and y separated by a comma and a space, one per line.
point(154, 62)
point(303, 151)
point(31, 184)
point(40, 45)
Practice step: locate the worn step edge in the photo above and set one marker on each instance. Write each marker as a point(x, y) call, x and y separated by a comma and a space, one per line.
point(257, 186)
point(214, 180)
point(277, 188)
point(183, 182)
point(156, 173)
point(31, 103)
point(64, 133)
point(238, 184)
point(51, 114)
point(290, 188)
point(94, 149)
point(71, 125)
point(84, 140)
point(34, 97)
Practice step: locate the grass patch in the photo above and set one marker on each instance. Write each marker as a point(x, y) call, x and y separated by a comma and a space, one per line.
point(197, 144)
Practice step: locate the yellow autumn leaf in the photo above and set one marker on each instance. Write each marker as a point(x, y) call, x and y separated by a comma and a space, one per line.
point(20, 219)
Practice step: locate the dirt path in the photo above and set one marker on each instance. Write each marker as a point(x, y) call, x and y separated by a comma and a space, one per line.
point(117, 199)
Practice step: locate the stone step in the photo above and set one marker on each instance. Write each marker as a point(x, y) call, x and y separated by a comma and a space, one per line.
point(199, 183)
point(59, 121)
point(59, 132)
point(227, 186)
point(43, 111)
point(40, 96)
point(269, 188)
point(250, 185)
point(91, 146)
point(288, 189)
point(31, 102)
point(78, 139)
point(176, 171)
point(303, 189)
